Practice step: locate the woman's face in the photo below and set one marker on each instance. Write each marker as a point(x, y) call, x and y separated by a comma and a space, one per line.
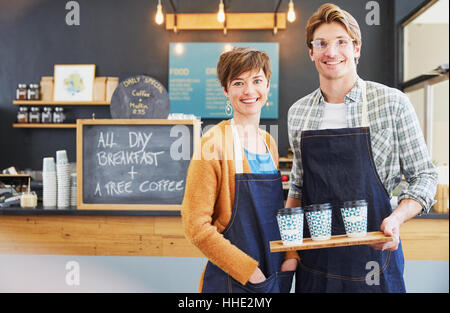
point(248, 93)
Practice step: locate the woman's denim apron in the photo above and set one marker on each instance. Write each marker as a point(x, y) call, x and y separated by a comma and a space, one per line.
point(252, 225)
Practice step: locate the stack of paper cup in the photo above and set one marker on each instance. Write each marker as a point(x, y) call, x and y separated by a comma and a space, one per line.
point(73, 190)
point(49, 181)
point(63, 179)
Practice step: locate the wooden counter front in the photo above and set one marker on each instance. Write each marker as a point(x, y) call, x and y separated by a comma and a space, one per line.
point(423, 239)
point(95, 235)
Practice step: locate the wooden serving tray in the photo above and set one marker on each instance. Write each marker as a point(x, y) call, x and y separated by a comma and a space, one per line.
point(335, 241)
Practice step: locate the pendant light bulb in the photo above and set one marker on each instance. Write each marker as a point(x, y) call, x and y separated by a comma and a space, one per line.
point(159, 17)
point(221, 13)
point(291, 12)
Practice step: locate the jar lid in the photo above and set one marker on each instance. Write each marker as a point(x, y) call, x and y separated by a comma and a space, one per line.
point(355, 203)
point(318, 207)
point(23, 109)
point(22, 85)
point(35, 109)
point(290, 211)
point(34, 86)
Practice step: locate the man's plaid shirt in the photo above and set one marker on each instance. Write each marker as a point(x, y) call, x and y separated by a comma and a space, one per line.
point(398, 144)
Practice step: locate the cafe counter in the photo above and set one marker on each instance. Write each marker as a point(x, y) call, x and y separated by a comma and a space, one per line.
point(157, 233)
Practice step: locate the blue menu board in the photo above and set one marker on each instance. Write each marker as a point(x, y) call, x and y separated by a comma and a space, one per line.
point(193, 84)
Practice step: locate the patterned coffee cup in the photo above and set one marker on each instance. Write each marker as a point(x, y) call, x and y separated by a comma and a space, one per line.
point(318, 217)
point(354, 214)
point(290, 223)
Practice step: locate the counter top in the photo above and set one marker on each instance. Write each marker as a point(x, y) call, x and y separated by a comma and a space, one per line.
point(73, 211)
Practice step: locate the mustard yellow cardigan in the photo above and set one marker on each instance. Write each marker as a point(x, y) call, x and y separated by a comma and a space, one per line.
point(209, 197)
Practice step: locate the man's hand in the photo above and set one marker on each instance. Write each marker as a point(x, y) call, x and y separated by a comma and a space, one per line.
point(407, 209)
point(289, 265)
point(391, 227)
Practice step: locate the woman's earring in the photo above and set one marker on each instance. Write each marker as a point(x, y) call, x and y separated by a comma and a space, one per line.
point(228, 108)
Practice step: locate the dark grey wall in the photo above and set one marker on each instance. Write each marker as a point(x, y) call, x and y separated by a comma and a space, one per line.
point(121, 38)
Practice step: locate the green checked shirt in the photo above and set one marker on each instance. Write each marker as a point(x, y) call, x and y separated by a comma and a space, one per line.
point(398, 144)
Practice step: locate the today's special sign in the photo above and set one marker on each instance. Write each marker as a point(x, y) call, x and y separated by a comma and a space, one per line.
point(193, 84)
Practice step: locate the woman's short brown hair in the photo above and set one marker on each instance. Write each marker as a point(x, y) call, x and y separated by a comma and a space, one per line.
point(240, 60)
point(329, 13)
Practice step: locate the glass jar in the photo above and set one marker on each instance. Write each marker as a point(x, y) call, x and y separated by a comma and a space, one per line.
point(35, 115)
point(34, 92)
point(22, 115)
point(46, 115)
point(58, 115)
point(21, 92)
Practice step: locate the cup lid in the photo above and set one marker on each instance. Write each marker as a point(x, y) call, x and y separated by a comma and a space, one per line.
point(318, 207)
point(354, 203)
point(296, 210)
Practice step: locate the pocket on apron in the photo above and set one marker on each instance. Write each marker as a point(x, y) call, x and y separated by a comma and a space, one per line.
point(275, 283)
point(285, 281)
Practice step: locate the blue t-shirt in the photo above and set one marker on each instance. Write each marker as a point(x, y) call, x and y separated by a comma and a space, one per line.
point(260, 163)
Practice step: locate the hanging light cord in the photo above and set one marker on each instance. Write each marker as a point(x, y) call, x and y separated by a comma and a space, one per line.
point(175, 14)
point(275, 26)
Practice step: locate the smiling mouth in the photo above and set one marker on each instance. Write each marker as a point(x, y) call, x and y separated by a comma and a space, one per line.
point(249, 101)
point(333, 63)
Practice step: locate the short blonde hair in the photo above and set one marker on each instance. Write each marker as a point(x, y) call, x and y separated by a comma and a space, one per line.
point(240, 60)
point(329, 13)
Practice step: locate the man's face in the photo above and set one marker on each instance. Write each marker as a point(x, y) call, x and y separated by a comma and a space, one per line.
point(335, 58)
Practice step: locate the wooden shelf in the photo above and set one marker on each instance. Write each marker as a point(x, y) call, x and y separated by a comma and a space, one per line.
point(208, 21)
point(284, 159)
point(59, 103)
point(41, 125)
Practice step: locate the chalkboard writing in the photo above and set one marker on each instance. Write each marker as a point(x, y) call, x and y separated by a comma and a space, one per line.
point(140, 97)
point(133, 164)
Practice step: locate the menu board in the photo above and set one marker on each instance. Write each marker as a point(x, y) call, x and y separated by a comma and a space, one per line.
point(140, 97)
point(138, 164)
point(193, 84)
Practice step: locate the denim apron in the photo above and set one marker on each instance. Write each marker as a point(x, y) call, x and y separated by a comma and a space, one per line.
point(338, 166)
point(252, 225)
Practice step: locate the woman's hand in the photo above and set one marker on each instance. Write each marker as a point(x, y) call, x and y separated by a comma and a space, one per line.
point(289, 265)
point(257, 276)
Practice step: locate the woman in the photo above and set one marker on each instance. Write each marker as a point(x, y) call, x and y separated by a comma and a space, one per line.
point(234, 189)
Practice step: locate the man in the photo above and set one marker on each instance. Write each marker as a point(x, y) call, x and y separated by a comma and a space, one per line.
point(352, 140)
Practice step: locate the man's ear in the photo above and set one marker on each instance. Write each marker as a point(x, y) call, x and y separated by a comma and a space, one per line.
point(311, 55)
point(357, 50)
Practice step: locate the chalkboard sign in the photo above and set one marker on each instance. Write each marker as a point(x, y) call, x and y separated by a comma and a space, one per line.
point(133, 164)
point(140, 97)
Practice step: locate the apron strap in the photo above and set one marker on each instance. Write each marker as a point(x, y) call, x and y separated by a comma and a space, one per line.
point(238, 159)
point(364, 115)
point(310, 110)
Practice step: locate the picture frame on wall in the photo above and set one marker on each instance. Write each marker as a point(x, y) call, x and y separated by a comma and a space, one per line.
point(74, 82)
